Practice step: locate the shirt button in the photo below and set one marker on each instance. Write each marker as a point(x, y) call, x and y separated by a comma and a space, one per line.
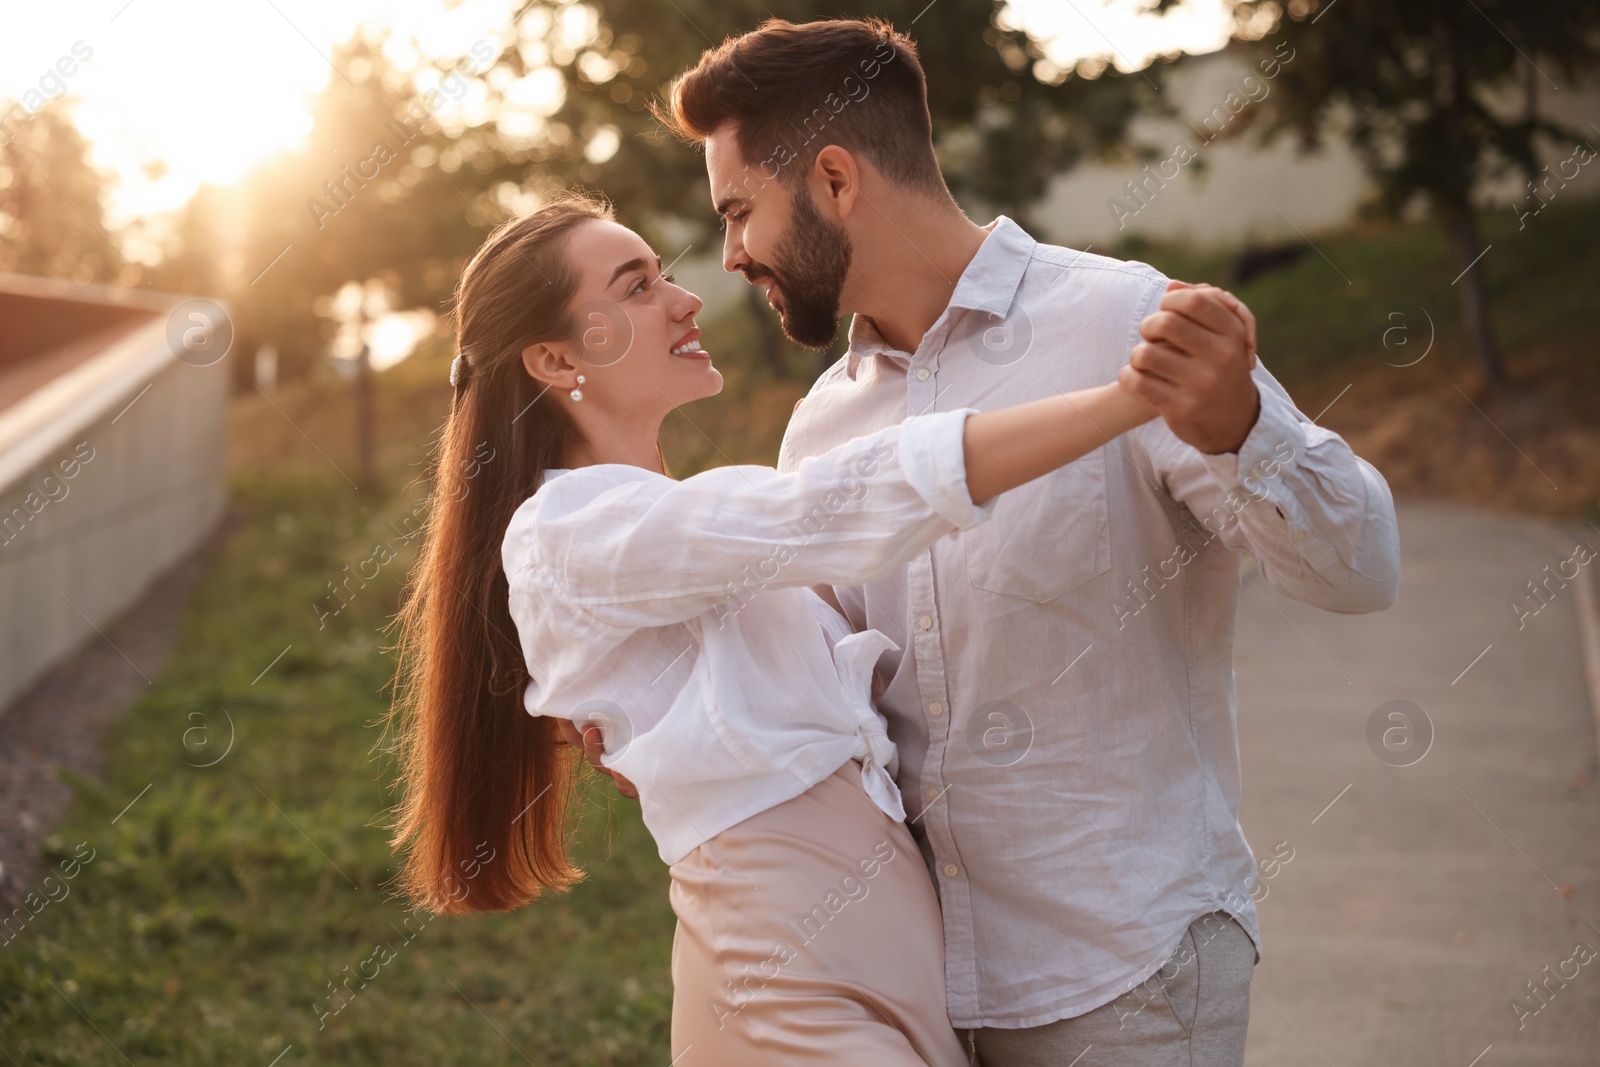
point(951, 870)
point(922, 374)
point(936, 709)
point(1299, 535)
point(925, 621)
point(930, 793)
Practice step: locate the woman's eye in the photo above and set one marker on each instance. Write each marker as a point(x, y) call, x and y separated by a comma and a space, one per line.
point(642, 284)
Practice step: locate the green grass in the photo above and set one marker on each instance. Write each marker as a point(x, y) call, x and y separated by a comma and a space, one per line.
point(207, 926)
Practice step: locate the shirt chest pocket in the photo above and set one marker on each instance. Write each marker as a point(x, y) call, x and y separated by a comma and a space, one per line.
point(1045, 538)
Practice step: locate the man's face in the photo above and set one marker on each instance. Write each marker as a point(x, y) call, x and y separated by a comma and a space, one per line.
point(778, 239)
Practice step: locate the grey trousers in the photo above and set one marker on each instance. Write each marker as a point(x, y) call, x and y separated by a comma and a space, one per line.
point(1191, 1013)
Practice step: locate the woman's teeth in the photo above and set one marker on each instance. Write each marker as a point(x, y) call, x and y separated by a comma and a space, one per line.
point(687, 346)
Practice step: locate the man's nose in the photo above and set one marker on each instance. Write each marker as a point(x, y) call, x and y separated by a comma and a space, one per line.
point(733, 256)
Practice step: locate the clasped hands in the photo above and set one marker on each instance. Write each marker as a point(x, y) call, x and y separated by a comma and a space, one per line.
point(1193, 366)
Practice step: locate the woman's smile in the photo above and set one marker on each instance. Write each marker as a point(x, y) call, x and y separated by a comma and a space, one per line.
point(688, 346)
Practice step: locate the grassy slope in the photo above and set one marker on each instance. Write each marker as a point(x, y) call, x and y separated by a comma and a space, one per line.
point(208, 926)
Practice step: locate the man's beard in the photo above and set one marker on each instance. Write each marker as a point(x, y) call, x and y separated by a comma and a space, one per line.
point(810, 264)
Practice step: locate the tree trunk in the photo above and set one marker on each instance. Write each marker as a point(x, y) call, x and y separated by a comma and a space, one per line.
point(771, 333)
point(365, 430)
point(1477, 328)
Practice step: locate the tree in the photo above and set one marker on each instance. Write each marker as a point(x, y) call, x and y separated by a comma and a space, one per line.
point(1422, 88)
point(380, 191)
point(51, 220)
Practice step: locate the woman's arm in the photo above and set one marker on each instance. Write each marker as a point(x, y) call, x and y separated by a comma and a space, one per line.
point(1015, 445)
point(634, 549)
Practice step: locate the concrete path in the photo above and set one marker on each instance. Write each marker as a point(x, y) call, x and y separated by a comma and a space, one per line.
point(1422, 899)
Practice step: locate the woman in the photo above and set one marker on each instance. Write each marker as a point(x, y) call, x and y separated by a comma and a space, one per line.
point(567, 580)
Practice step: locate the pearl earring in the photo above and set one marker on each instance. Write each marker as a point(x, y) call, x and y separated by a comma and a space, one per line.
point(577, 394)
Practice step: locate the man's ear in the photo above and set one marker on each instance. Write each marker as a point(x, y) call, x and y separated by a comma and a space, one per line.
point(552, 363)
point(835, 182)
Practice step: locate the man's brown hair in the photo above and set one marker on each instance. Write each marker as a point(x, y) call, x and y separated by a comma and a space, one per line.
point(791, 89)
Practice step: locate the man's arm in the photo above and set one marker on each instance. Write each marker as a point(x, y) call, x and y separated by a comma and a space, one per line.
point(593, 743)
point(1319, 520)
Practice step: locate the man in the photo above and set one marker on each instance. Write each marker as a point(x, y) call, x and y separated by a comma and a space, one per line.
point(1063, 695)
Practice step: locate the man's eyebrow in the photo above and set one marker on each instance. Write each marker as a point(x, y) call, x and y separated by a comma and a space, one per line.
point(727, 203)
point(633, 264)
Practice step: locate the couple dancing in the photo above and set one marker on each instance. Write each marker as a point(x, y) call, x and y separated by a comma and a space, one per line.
point(933, 724)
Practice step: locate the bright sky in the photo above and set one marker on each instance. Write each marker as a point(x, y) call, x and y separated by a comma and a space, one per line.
point(207, 88)
point(1121, 31)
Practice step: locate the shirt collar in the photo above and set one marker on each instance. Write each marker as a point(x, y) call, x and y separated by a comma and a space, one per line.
point(988, 284)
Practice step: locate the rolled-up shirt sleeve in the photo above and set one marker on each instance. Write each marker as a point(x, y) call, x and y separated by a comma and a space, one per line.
point(1319, 519)
point(651, 551)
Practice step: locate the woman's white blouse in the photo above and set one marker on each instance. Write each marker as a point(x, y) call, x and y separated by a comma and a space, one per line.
point(675, 614)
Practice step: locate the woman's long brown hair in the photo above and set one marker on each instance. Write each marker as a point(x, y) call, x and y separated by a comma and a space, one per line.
point(484, 785)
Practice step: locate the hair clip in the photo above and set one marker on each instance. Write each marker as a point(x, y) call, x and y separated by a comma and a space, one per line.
point(457, 366)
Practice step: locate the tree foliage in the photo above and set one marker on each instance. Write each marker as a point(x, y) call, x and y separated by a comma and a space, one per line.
point(51, 216)
point(1437, 97)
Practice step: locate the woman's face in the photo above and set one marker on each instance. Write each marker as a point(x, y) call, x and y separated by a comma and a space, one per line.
point(635, 339)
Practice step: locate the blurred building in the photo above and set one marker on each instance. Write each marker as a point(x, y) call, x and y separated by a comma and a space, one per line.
point(1211, 187)
point(112, 456)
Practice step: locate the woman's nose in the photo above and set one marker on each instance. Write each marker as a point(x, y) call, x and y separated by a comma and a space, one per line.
point(688, 305)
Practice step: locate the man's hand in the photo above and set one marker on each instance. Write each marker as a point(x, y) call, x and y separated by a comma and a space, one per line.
point(593, 743)
point(1194, 364)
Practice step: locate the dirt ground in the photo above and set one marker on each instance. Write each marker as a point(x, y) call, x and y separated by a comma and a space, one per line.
point(1436, 433)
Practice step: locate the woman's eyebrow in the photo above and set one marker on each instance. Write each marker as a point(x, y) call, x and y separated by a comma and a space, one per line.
point(633, 264)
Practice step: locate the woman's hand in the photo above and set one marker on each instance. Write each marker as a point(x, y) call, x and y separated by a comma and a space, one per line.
point(593, 743)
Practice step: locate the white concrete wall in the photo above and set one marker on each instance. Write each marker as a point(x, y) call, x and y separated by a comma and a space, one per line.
point(153, 489)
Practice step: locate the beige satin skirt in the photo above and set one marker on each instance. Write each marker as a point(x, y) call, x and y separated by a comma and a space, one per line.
point(810, 934)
